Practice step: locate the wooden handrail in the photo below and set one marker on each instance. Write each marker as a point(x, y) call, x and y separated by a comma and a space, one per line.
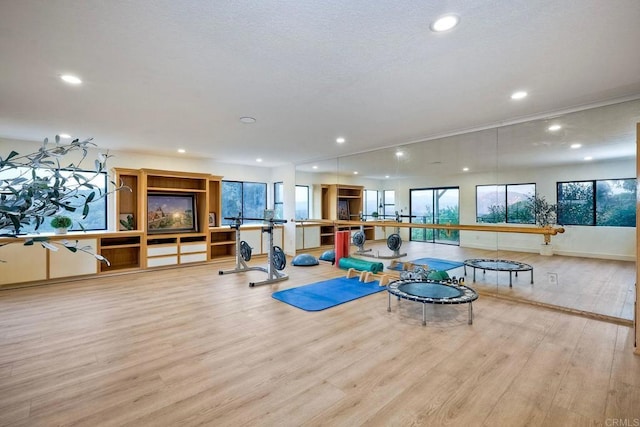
point(547, 232)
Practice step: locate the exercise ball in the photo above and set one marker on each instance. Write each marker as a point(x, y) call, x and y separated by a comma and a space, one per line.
point(329, 255)
point(304, 260)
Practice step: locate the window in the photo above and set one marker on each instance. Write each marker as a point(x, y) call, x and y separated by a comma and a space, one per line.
point(509, 203)
point(278, 200)
point(608, 202)
point(246, 198)
point(97, 216)
point(435, 206)
point(302, 202)
point(389, 204)
point(370, 204)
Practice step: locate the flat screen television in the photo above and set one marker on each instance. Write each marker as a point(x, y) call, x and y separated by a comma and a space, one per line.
point(171, 213)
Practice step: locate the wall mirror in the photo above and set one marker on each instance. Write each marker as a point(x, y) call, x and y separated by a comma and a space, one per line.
point(583, 161)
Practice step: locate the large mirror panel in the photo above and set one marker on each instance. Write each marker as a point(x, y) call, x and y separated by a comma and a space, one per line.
point(583, 162)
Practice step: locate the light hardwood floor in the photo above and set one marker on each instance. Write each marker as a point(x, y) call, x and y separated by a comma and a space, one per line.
point(186, 346)
point(600, 286)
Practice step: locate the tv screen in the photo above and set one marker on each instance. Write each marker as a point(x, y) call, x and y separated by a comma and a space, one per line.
point(171, 213)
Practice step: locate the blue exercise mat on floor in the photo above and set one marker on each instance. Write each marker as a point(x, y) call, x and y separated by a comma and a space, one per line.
point(433, 263)
point(321, 295)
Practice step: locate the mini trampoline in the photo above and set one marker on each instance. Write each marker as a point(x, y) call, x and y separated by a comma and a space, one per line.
point(497, 265)
point(432, 292)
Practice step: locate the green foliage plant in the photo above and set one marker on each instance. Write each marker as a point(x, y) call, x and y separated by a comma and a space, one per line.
point(61, 221)
point(40, 185)
point(545, 212)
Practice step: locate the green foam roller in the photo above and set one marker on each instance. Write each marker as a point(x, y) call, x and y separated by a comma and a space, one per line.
point(361, 265)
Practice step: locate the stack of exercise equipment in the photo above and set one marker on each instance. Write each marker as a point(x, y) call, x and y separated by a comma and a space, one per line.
point(368, 271)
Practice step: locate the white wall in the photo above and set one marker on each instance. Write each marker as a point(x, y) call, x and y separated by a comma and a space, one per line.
point(598, 242)
point(287, 175)
point(601, 242)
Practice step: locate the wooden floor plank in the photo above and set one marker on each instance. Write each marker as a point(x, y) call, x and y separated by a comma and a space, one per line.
point(188, 346)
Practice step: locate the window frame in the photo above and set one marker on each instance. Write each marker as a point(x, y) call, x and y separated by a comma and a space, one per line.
point(385, 204)
point(366, 214)
point(278, 205)
point(506, 204)
point(102, 193)
point(296, 201)
point(242, 202)
point(594, 205)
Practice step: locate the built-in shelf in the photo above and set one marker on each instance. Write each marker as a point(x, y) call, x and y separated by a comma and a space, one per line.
point(123, 252)
point(174, 190)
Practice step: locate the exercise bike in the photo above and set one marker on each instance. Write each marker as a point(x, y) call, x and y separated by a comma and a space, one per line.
point(276, 258)
point(394, 242)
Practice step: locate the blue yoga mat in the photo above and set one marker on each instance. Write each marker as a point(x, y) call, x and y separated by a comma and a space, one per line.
point(322, 295)
point(433, 263)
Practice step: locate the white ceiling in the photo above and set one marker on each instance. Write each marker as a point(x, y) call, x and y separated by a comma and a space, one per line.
point(164, 74)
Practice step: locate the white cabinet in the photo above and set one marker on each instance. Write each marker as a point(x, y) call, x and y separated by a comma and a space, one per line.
point(64, 263)
point(159, 255)
point(176, 250)
point(22, 263)
point(277, 239)
point(307, 237)
point(161, 250)
point(193, 252)
point(253, 237)
point(380, 233)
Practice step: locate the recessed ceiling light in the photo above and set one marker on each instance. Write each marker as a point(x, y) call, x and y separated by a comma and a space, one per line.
point(340, 140)
point(386, 176)
point(576, 145)
point(259, 160)
point(588, 158)
point(465, 169)
point(181, 150)
point(519, 95)
point(355, 172)
point(64, 136)
point(444, 23)
point(314, 167)
point(247, 120)
point(68, 78)
point(554, 128)
point(399, 153)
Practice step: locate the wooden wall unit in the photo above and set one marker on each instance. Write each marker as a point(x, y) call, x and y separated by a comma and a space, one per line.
point(128, 200)
point(222, 242)
point(340, 196)
point(215, 200)
point(122, 250)
point(136, 248)
point(335, 197)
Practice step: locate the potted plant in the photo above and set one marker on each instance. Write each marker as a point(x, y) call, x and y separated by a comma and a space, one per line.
point(61, 223)
point(545, 215)
point(374, 214)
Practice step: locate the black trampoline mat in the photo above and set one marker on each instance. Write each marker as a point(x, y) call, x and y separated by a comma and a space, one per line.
point(430, 290)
